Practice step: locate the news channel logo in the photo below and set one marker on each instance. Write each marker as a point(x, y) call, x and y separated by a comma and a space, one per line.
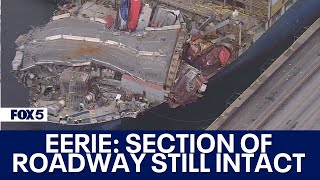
point(23, 115)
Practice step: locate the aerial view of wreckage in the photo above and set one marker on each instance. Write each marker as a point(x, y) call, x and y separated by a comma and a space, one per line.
point(98, 62)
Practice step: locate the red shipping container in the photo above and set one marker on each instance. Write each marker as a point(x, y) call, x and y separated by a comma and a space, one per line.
point(134, 13)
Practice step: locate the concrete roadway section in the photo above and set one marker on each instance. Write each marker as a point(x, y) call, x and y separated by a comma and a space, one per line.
point(150, 68)
point(286, 96)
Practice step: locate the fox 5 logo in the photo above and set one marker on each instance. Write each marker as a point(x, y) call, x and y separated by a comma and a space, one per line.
point(23, 115)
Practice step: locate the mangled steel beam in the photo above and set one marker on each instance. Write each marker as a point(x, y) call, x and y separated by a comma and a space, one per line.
point(216, 27)
point(175, 61)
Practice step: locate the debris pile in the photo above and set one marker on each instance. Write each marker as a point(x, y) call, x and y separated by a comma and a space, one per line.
point(105, 60)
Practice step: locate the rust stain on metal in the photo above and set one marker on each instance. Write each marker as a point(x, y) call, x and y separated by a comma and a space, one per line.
point(84, 49)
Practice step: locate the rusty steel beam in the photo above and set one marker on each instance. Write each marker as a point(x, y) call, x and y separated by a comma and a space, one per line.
point(175, 60)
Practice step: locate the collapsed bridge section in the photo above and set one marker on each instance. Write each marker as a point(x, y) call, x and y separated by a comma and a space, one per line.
point(88, 75)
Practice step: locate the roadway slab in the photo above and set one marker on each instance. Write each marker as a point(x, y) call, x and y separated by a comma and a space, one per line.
point(152, 68)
